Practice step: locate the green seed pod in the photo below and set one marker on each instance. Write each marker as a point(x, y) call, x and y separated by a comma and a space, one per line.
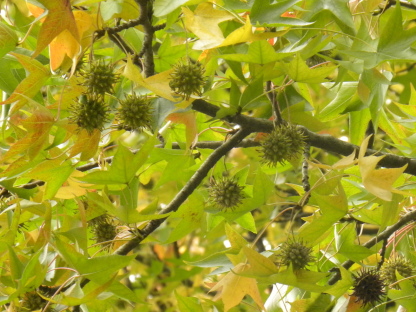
point(90, 113)
point(285, 142)
point(403, 266)
point(31, 301)
point(134, 113)
point(187, 79)
point(368, 287)
point(100, 78)
point(104, 231)
point(294, 253)
point(225, 193)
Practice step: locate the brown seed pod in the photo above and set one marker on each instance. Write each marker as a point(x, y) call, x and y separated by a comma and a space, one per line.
point(368, 287)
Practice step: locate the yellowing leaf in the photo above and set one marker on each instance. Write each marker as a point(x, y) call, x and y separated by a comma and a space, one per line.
point(232, 288)
point(377, 182)
point(189, 120)
point(260, 265)
point(158, 84)
point(29, 86)
point(54, 172)
point(73, 188)
point(37, 126)
point(204, 23)
point(86, 144)
point(59, 18)
point(66, 45)
point(245, 34)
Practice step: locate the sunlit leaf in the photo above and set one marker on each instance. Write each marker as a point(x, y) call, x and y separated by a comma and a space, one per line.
point(232, 288)
point(59, 18)
point(30, 85)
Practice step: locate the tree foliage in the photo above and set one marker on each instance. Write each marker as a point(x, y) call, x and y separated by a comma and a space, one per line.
point(202, 155)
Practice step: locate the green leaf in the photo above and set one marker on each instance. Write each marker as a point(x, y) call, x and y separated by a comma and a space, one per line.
point(300, 72)
point(8, 81)
point(16, 266)
point(188, 304)
point(264, 13)
point(337, 10)
point(247, 221)
point(262, 188)
point(342, 286)
point(8, 39)
point(164, 7)
point(168, 54)
point(302, 279)
point(124, 166)
point(253, 94)
point(101, 269)
point(218, 259)
point(332, 207)
point(393, 38)
point(340, 103)
point(33, 274)
point(345, 243)
point(259, 52)
point(191, 215)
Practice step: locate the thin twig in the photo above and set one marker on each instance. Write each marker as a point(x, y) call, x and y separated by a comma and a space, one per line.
point(186, 191)
point(409, 217)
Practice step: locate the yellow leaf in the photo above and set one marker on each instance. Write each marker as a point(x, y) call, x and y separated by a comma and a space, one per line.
point(260, 265)
point(204, 24)
point(59, 18)
point(73, 188)
point(37, 135)
point(29, 86)
point(158, 84)
point(66, 45)
point(245, 34)
point(377, 182)
point(232, 288)
point(86, 144)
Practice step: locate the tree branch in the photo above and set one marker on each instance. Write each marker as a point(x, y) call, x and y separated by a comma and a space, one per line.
point(325, 142)
point(186, 191)
point(409, 217)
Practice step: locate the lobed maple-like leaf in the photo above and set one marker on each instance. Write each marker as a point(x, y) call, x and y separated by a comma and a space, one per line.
point(30, 85)
point(59, 18)
point(232, 288)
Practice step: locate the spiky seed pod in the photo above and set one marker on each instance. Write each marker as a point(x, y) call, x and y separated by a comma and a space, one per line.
point(295, 253)
point(134, 113)
point(368, 287)
point(31, 301)
point(100, 78)
point(105, 231)
point(90, 113)
point(187, 79)
point(388, 270)
point(285, 142)
point(225, 193)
